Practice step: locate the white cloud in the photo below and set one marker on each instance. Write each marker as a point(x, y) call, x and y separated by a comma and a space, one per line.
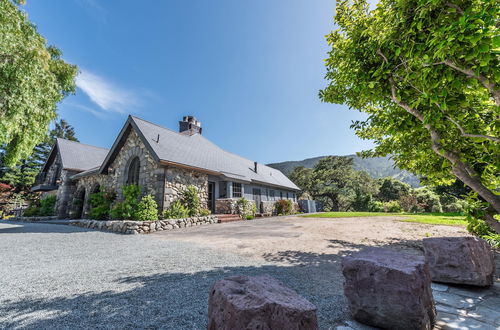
point(93, 8)
point(105, 94)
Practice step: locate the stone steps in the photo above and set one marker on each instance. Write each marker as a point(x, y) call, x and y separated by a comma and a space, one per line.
point(228, 217)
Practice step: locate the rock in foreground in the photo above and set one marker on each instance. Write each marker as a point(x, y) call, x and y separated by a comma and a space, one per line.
point(388, 289)
point(243, 302)
point(460, 260)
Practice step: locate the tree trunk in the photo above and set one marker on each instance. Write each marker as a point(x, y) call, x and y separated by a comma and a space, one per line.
point(460, 169)
point(492, 222)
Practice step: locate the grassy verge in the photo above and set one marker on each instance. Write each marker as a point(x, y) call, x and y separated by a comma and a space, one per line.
point(449, 219)
point(456, 220)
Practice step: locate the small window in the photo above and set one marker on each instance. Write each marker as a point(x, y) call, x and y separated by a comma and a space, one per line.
point(237, 189)
point(133, 171)
point(271, 194)
point(281, 195)
point(287, 195)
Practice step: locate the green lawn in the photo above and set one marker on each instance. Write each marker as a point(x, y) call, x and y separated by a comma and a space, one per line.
point(450, 219)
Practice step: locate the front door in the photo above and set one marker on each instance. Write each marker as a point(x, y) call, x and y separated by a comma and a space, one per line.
point(257, 199)
point(211, 195)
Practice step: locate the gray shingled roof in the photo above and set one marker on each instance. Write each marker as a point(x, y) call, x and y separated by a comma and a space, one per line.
point(196, 151)
point(78, 156)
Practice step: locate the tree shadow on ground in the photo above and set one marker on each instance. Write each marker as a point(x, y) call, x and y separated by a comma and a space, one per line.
point(179, 300)
point(18, 227)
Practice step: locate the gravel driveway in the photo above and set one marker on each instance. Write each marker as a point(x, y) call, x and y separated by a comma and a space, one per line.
point(56, 276)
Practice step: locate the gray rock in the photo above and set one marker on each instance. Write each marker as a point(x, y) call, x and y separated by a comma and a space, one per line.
point(460, 260)
point(243, 302)
point(388, 289)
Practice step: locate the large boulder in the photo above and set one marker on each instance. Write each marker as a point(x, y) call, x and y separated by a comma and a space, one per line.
point(243, 302)
point(388, 289)
point(461, 260)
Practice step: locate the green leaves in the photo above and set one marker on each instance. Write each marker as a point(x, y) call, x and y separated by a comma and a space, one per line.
point(33, 79)
point(412, 44)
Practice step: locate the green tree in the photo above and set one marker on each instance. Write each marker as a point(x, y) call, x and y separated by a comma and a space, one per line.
point(302, 177)
point(33, 79)
point(427, 74)
point(22, 175)
point(392, 189)
point(332, 178)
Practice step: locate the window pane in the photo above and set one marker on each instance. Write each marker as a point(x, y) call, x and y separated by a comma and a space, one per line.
point(237, 189)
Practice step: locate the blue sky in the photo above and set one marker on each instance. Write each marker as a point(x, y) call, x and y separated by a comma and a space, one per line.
point(249, 70)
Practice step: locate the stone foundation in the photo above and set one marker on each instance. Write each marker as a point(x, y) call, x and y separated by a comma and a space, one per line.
point(267, 207)
point(144, 227)
point(226, 206)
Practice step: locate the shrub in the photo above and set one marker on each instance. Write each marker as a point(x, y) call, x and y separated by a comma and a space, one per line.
point(176, 211)
point(31, 211)
point(249, 217)
point(492, 239)
point(100, 204)
point(125, 210)
point(455, 207)
point(284, 207)
point(246, 208)
point(392, 207)
point(376, 206)
point(204, 212)
point(428, 200)
point(147, 209)
point(47, 206)
point(191, 200)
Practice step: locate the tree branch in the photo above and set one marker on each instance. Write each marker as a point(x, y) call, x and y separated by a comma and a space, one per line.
point(452, 5)
point(472, 135)
point(482, 79)
point(461, 170)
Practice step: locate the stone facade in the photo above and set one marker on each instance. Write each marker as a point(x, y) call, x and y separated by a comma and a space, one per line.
point(144, 227)
point(65, 194)
point(267, 207)
point(178, 179)
point(151, 175)
point(226, 206)
point(164, 181)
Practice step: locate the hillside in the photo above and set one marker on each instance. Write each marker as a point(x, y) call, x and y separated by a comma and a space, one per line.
point(377, 167)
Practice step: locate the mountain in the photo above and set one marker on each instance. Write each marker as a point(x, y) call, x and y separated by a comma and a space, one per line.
point(377, 167)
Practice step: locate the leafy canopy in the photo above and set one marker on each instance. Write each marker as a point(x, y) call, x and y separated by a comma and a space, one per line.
point(426, 72)
point(33, 79)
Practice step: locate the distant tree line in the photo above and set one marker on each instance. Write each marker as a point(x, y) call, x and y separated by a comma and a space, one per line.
point(341, 188)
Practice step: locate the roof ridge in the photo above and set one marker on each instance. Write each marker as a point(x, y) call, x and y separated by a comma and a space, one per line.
point(166, 128)
point(84, 144)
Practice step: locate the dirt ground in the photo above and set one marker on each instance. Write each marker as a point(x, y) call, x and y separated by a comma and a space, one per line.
point(272, 238)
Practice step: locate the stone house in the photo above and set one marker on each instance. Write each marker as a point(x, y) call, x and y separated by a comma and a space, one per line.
point(163, 163)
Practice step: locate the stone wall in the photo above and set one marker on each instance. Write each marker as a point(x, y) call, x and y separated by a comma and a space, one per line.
point(151, 174)
point(178, 179)
point(226, 206)
point(267, 207)
point(229, 205)
point(144, 227)
point(65, 194)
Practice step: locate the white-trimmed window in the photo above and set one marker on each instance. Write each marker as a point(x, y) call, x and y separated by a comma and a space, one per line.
point(271, 194)
point(237, 190)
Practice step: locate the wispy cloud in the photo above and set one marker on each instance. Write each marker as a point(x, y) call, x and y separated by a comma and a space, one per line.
point(107, 95)
point(93, 8)
point(98, 114)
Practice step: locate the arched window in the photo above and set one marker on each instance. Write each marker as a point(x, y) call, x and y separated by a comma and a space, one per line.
point(133, 171)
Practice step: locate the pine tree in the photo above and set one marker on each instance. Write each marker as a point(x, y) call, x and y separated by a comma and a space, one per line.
point(22, 176)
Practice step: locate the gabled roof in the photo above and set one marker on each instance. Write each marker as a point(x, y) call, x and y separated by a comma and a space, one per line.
point(77, 156)
point(197, 152)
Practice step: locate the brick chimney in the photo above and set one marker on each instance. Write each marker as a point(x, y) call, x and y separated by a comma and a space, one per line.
point(189, 125)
